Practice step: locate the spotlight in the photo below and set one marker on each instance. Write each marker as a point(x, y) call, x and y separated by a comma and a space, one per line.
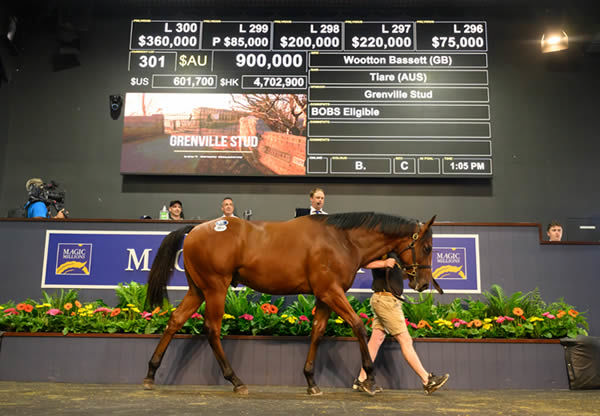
point(554, 41)
point(11, 35)
point(116, 103)
point(12, 28)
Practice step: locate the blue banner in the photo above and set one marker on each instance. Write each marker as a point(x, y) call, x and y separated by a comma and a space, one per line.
point(103, 259)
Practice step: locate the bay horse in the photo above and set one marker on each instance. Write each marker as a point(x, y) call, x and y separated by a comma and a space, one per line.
point(317, 254)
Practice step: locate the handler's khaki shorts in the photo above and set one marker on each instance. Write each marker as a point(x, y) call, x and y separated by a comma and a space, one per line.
point(388, 314)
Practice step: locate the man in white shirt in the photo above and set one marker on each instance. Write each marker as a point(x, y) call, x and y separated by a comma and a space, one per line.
point(227, 207)
point(317, 200)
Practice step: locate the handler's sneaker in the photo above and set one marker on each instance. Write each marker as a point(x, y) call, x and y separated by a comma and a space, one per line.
point(435, 382)
point(359, 386)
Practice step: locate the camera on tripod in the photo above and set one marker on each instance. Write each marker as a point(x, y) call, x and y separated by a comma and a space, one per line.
point(48, 193)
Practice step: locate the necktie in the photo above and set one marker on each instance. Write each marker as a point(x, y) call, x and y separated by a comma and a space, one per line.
point(317, 212)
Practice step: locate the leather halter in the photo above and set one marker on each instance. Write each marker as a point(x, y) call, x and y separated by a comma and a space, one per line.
point(411, 269)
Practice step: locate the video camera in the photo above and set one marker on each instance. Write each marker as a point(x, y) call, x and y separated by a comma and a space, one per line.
point(48, 193)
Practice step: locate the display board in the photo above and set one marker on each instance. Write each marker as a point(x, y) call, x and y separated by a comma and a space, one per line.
point(351, 98)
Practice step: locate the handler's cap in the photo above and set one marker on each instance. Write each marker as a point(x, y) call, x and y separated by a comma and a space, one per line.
point(176, 201)
point(33, 182)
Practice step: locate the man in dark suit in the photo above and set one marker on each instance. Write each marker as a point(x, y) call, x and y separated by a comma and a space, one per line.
point(317, 200)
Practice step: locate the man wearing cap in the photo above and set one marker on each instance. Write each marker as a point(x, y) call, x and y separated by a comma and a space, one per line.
point(175, 210)
point(35, 207)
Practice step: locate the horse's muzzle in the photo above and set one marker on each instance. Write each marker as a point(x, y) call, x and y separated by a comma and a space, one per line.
point(423, 287)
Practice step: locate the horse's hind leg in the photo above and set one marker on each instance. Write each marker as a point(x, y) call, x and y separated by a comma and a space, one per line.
point(190, 303)
point(213, 316)
point(336, 299)
point(322, 313)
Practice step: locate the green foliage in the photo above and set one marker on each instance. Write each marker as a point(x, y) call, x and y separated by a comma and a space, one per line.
point(237, 302)
point(418, 309)
point(60, 298)
point(250, 313)
point(132, 294)
point(302, 306)
point(499, 304)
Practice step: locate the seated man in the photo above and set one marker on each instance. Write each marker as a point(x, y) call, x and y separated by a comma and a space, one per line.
point(176, 210)
point(36, 207)
point(317, 200)
point(227, 207)
point(554, 231)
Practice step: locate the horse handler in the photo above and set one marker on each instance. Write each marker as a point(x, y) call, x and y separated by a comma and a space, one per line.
point(389, 317)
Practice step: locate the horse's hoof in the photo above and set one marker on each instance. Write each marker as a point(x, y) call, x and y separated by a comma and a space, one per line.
point(241, 389)
point(148, 384)
point(314, 391)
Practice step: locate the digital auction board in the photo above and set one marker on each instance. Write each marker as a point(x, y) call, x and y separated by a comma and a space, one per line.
point(326, 98)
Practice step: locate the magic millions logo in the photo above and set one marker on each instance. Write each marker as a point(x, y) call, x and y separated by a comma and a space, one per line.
point(74, 259)
point(449, 263)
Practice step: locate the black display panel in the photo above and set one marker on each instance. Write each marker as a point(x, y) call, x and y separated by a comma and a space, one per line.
point(297, 98)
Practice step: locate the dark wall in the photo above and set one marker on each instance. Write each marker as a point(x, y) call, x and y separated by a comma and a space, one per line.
point(543, 125)
point(3, 132)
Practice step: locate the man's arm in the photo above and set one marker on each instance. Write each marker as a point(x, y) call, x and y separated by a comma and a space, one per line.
point(379, 264)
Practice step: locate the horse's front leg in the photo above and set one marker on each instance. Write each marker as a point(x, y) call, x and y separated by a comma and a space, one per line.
point(322, 313)
point(190, 303)
point(213, 315)
point(336, 299)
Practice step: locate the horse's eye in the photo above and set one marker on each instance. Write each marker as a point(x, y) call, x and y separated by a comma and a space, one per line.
point(427, 249)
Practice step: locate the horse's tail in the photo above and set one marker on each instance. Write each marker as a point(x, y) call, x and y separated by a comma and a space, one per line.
point(162, 266)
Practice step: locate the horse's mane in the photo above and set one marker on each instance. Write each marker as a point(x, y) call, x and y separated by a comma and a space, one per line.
point(387, 224)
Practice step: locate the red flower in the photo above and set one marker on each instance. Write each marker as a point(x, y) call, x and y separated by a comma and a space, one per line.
point(21, 306)
point(268, 308)
point(114, 312)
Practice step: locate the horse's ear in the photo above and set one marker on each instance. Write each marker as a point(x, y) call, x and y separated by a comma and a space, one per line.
point(429, 223)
